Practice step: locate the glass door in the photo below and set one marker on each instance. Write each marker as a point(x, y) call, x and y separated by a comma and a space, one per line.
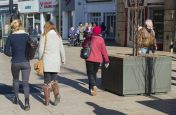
point(110, 23)
point(157, 15)
point(4, 29)
point(5, 25)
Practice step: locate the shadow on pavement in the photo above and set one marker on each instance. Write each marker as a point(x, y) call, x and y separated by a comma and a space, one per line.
point(173, 58)
point(103, 111)
point(98, 81)
point(174, 79)
point(75, 71)
point(10, 98)
point(76, 84)
point(83, 81)
point(166, 106)
point(37, 92)
point(7, 91)
point(173, 70)
point(73, 83)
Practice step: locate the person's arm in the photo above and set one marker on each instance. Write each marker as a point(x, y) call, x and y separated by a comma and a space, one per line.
point(7, 50)
point(41, 46)
point(104, 52)
point(154, 40)
point(62, 51)
point(155, 44)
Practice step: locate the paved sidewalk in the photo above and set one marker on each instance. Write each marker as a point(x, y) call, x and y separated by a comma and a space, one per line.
point(75, 99)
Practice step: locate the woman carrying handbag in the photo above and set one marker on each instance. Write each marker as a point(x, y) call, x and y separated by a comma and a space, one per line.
point(16, 47)
point(98, 52)
point(52, 52)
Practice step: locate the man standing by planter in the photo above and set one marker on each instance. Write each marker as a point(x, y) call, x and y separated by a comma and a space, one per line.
point(146, 40)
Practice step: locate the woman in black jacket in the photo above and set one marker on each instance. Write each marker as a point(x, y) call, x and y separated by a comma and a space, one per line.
point(15, 47)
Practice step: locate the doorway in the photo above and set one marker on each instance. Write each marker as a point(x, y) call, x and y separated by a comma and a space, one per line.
point(110, 23)
point(157, 15)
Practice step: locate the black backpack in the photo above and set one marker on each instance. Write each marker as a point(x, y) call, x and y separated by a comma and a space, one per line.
point(32, 46)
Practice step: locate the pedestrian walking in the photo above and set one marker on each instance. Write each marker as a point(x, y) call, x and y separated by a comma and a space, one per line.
point(146, 40)
point(97, 55)
point(37, 30)
point(15, 47)
point(86, 28)
point(51, 47)
point(73, 36)
point(81, 32)
point(90, 28)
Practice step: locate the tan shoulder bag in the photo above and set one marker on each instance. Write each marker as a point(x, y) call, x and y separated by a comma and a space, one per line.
point(39, 65)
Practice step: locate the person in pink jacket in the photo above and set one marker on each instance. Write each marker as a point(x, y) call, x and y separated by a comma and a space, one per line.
point(97, 56)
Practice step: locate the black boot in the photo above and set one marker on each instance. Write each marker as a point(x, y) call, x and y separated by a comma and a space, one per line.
point(27, 105)
point(15, 100)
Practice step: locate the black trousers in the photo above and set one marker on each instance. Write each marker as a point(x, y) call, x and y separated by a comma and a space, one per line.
point(92, 69)
point(25, 69)
point(49, 76)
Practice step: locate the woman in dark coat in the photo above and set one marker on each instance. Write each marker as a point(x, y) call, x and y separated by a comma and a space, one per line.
point(15, 47)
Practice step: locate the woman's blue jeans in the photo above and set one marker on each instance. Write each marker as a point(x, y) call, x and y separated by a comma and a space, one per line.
point(144, 50)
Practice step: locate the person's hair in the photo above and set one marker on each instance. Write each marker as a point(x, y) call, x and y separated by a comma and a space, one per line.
point(49, 26)
point(16, 25)
point(149, 23)
point(95, 23)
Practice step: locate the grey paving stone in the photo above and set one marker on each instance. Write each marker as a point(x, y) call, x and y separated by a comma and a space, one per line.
point(75, 98)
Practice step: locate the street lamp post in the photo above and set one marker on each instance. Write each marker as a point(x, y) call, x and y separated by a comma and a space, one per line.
point(11, 6)
point(14, 14)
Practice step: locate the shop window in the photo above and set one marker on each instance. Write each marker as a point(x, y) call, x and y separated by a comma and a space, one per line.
point(5, 24)
point(157, 15)
point(95, 17)
point(110, 24)
point(158, 20)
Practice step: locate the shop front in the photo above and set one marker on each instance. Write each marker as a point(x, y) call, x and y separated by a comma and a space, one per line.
point(80, 11)
point(37, 13)
point(102, 11)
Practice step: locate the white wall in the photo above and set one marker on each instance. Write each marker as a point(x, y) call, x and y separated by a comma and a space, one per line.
point(103, 7)
point(79, 12)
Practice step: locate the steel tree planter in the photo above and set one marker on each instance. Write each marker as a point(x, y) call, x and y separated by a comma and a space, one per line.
point(137, 74)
